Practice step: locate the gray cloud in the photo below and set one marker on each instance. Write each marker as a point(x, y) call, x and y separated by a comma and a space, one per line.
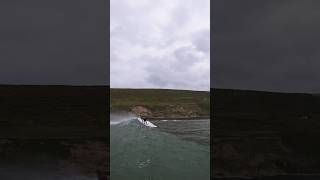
point(54, 42)
point(270, 46)
point(160, 44)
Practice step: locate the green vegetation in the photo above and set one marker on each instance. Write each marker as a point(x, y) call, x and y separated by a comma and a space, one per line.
point(161, 103)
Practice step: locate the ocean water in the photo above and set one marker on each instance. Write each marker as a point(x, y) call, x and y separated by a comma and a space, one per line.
point(175, 150)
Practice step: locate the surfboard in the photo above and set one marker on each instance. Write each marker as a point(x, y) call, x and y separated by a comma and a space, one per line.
point(146, 123)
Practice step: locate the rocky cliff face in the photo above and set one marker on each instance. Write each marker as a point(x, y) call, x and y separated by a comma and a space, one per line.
point(170, 111)
point(141, 111)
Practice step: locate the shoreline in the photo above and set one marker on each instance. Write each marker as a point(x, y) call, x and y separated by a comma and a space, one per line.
point(177, 118)
point(130, 114)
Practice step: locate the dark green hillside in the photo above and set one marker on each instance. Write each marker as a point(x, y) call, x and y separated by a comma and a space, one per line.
point(161, 103)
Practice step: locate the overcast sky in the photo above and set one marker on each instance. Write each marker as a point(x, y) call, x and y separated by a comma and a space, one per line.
point(160, 44)
point(54, 42)
point(267, 45)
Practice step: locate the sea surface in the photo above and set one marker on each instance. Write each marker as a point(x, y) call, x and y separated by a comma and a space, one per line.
point(175, 150)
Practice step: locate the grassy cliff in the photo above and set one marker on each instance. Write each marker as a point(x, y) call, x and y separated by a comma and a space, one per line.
point(161, 103)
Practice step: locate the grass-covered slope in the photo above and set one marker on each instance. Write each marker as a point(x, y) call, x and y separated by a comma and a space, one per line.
point(161, 103)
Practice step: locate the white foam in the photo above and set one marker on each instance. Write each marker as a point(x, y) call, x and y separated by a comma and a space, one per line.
point(120, 118)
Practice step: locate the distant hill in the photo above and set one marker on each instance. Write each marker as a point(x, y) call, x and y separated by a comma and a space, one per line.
point(161, 103)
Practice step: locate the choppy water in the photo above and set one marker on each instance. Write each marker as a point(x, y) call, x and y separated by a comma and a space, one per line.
point(176, 150)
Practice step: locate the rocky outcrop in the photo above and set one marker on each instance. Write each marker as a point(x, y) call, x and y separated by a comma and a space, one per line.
point(141, 111)
point(169, 111)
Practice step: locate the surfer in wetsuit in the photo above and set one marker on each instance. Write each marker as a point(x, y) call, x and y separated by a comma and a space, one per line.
point(144, 120)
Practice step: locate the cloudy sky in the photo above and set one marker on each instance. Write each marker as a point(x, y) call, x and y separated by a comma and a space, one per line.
point(160, 44)
point(54, 42)
point(267, 45)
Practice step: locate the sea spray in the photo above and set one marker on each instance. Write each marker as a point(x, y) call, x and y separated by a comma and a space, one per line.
point(117, 118)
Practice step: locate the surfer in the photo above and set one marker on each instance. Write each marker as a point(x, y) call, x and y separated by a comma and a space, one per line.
point(144, 120)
